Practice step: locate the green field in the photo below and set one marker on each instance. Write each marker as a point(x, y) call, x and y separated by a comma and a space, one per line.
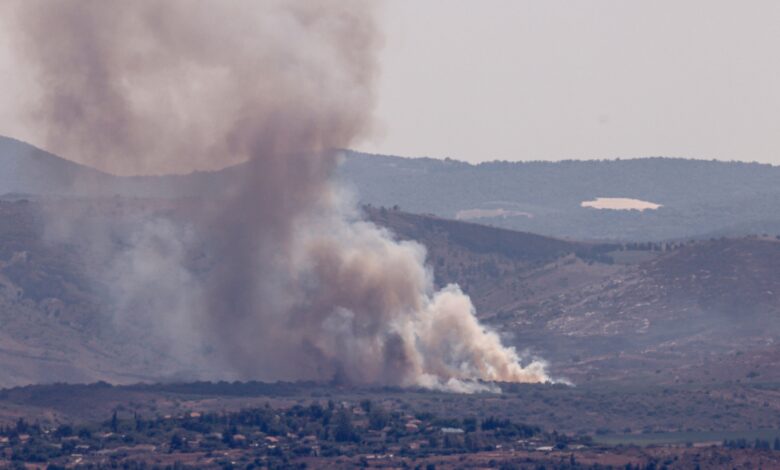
point(687, 437)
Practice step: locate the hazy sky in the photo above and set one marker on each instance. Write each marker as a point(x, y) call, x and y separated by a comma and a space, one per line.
point(549, 79)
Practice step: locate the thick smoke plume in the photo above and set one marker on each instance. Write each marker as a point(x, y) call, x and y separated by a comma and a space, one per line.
point(297, 285)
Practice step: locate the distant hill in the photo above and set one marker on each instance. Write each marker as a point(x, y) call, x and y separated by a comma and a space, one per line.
point(28, 170)
point(436, 232)
point(699, 198)
point(596, 311)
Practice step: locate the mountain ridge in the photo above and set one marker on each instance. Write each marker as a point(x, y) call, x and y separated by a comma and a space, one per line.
point(698, 198)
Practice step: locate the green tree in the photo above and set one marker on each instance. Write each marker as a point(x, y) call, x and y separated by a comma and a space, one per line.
point(344, 430)
point(378, 418)
point(176, 442)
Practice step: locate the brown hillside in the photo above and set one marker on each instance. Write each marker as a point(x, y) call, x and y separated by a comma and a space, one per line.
point(698, 311)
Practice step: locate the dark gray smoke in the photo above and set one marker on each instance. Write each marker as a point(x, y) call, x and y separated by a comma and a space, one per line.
point(298, 287)
point(170, 86)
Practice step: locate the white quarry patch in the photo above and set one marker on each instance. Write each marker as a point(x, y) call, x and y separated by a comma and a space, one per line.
point(468, 214)
point(620, 204)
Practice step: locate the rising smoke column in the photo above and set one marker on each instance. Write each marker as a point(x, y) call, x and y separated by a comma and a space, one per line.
point(299, 286)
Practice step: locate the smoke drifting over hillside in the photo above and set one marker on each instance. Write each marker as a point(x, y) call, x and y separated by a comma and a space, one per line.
point(297, 285)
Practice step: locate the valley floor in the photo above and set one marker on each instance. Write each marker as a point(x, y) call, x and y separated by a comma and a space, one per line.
point(282, 425)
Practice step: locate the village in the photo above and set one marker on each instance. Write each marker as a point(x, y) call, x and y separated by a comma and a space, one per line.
point(269, 437)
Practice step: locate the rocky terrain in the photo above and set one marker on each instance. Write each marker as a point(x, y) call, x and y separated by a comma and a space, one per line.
point(689, 311)
point(702, 311)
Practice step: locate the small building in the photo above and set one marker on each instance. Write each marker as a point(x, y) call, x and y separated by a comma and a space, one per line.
point(452, 430)
point(374, 438)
